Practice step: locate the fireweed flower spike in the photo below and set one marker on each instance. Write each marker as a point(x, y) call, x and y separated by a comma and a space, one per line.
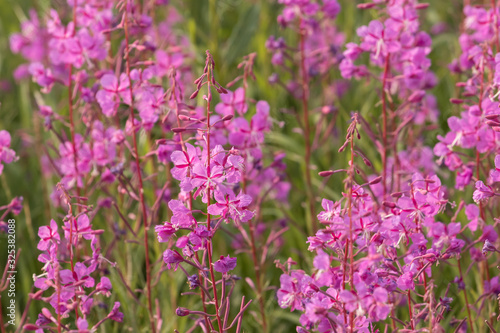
point(208, 171)
point(70, 286)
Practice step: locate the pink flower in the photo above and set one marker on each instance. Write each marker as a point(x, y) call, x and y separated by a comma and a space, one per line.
point(184, 161)
point(405, 281)
point(172, 258)
point(48, 235)
point(225, 264)
point(112, 92)
point(228, 204)
point(483, 192)
point(7, 155)
point(232, 102)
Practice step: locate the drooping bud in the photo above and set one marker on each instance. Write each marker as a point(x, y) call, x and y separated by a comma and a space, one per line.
point(182, 312)
point(327, 173)
point(375, 180)
point(389, 204)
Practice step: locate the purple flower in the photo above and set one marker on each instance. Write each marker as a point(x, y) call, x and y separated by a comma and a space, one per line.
point(164, 232)
point(115, 314)
point(225, 264)
point(483, 192)
point(232, 102)
point(7, 155)
point(112, 90)
point(184, 161)
point(291, 295)
point(172, 258)
point(228, 204)
point(104, 286)
point(405, 281)
point(48, 235)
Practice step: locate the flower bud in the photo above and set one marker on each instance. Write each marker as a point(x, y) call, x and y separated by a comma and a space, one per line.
point(193, 95)
point(30, 327)
point(389, 204)
point(181, 312)
point(367, 5)
point(327, 173)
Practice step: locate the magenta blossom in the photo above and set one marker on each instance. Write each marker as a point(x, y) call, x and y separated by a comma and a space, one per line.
point(225, 264)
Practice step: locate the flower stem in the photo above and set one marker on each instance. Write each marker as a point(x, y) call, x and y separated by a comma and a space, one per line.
point(410, 310)
point(465, 296)
point(258, 277)
point(384, 126)
point(139, 177)
point(349, 212)
point(209, 245)
point(307, 130)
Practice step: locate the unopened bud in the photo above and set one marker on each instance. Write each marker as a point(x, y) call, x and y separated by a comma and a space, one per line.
point(182, 312)
point(47, 314)
point(366, 5)
point(327, 173)
point(456, 100)
point(492, 123)
point(421, 6)
point(314, 287)
point(389, 204)
point(228, 117)
point(492, 116)
point(178, 129)
point(376, 180)
point(30, 327)
point(193, 95)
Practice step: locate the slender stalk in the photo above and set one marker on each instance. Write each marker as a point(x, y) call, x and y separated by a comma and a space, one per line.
point(75, 156)
point(139, 176)
point(183, 146)
point(258, 278)
point(384, 126)
point(209, 199)
point(349, 212)
point(465, 296)
point(495, 24)
point(410, 311)
point(307, 129)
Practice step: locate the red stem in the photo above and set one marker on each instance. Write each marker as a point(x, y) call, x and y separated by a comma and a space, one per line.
point(209, 245)
point(75, 156)
point(307, 130)
point(384, 126)
point(410, 311)
point(256, 266)
point(465, 295)
point(351, 236)
point(139, 176)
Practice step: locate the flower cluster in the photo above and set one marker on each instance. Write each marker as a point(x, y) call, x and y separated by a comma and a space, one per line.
point(386, 233)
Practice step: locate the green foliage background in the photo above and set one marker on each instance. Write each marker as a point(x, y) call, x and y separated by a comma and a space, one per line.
point(230, 29)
